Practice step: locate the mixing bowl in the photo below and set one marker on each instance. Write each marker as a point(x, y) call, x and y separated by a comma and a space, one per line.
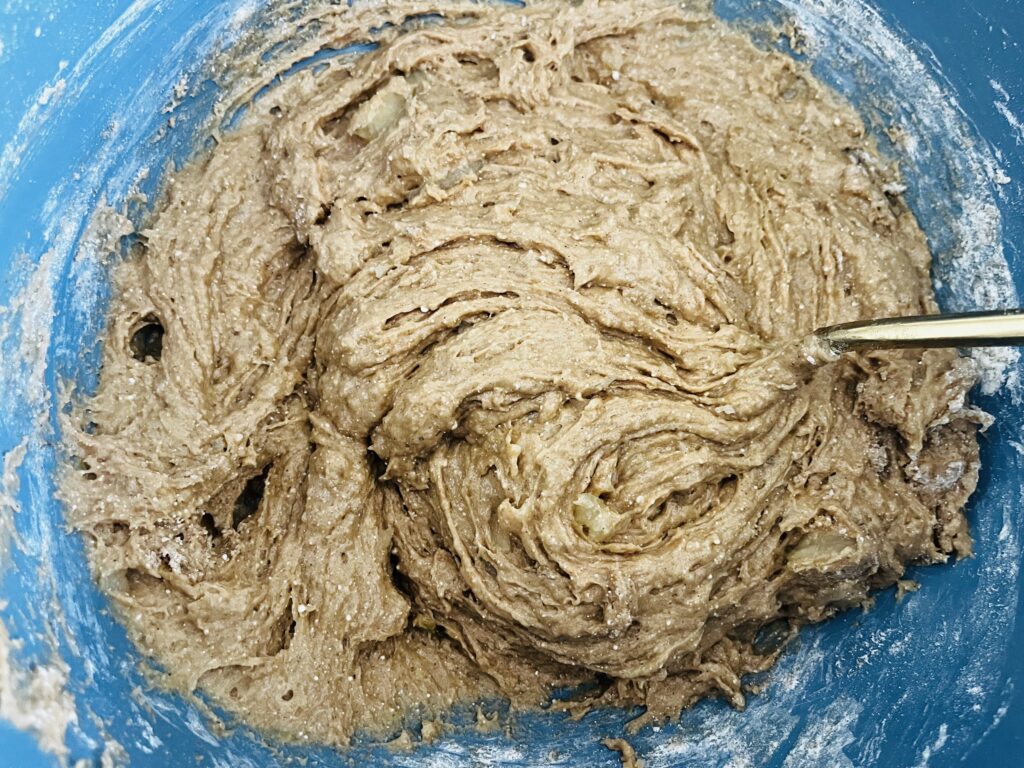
point(99, 96)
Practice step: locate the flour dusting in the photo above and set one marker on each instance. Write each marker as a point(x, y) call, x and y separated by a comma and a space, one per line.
point(822, 742)
point(931, 749)
point(1002, 105)
point(35, 698)
point(25, 333)
point(10, 484)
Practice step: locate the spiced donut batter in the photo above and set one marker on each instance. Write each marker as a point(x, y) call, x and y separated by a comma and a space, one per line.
point(471, 367)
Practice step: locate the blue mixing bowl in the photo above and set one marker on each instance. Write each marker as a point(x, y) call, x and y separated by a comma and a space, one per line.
point(98, 95)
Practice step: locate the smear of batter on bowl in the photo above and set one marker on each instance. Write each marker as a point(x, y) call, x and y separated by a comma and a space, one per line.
point(471, 367)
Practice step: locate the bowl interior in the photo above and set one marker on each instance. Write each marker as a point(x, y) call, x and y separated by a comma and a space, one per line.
point(917, 680)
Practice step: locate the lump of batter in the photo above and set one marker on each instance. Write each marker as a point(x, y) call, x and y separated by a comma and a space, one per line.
point(469, 367)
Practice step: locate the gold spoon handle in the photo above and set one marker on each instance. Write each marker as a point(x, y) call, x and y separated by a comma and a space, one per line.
point(1000, 328)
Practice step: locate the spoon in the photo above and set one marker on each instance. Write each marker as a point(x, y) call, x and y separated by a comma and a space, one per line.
point(998, 328)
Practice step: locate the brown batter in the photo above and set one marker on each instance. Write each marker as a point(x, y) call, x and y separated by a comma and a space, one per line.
point(471, 367)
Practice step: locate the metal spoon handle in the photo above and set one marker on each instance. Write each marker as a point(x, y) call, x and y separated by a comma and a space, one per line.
point(1000, 328)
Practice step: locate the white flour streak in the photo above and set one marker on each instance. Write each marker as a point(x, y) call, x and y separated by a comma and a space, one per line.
point(242, 15)
point(497, 755)
point(939, 743)
point(10, 484)
point(35, 120)
point(1002, 105)
point(823, 740)
point(451, 756)
point(25, 337)
point(35, 699)
point(52, 93)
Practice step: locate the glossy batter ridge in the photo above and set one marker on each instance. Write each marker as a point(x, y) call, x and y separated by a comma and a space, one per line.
point(472, 366)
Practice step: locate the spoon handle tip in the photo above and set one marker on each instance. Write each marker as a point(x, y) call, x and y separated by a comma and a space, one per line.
point(998, 328)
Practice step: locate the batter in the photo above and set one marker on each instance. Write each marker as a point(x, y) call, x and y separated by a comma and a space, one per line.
point(471, 367)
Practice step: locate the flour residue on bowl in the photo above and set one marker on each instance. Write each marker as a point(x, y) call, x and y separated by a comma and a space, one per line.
point(1003, 107)
point(33, 697)
point(823, 740)
point(10, 485)
point(36, 699)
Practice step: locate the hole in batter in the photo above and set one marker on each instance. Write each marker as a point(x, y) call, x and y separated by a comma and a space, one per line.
point(282, 633)
point(399, 579)
point(210, 525)
point(147, 342)
point(670, 317)
point(248, 502)
point(664, 137)
point(603, 682)
point(727, 489)
point(377, 465)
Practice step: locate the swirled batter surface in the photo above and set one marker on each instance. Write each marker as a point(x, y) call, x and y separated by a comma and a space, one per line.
point(471, 367)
